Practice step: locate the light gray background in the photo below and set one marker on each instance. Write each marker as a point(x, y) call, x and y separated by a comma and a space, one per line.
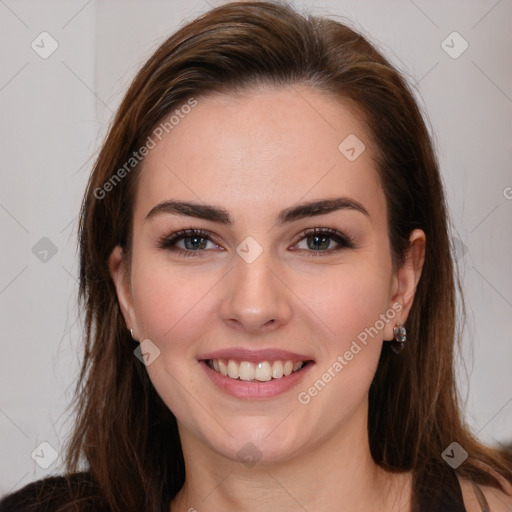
point(55, 112)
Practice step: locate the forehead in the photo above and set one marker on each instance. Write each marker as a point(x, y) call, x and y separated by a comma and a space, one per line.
point(259, 149)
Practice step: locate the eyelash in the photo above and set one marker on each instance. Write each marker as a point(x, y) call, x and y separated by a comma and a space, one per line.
point(167, 242)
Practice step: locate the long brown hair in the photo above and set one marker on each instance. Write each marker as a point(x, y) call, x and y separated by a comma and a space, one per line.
point(125, 436)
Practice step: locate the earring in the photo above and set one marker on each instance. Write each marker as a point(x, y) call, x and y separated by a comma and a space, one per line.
point(400, 338)
point(131, 333)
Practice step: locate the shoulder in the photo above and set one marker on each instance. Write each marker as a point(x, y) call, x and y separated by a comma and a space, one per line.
point(489, 499)
point(54, 493)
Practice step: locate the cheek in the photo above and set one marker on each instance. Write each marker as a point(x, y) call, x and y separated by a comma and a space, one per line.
point(352, 304)
point(349, 301)
point(350, 309)
point(173, 310)
point(170, 303)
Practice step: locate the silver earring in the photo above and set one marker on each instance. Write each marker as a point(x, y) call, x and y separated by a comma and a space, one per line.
point(131, 333)
point(400, 338)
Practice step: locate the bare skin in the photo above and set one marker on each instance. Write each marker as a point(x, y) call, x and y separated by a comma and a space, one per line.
point(497, 500)
point(255, 155)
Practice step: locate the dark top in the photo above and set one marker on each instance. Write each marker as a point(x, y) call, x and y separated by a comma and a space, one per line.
point(51, 494)
point(28, 498)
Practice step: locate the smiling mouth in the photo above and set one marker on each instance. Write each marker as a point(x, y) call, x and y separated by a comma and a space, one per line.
point(262, 371)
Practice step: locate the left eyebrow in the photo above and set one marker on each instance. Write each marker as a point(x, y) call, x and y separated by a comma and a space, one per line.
point(217, 214)
point(322, 207)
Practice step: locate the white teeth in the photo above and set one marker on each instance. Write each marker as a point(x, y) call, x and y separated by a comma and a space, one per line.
point(247, 371)
point(263, 371)
point(222, 367)
point(233, 369)
point(277, 370)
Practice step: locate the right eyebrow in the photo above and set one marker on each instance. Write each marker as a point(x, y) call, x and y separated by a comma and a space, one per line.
point(191, 209)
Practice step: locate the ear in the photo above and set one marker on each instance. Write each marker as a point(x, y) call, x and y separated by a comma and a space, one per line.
point(117, 266)
point(405, 281)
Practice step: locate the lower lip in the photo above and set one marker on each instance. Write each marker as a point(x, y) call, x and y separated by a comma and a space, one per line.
point(254, 390)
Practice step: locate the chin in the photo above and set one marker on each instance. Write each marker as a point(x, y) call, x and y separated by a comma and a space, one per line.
point(267, 442)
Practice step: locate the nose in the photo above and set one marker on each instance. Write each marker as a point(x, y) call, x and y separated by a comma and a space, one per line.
point(256, 300)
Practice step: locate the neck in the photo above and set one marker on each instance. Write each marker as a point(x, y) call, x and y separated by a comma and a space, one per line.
point(338, 470)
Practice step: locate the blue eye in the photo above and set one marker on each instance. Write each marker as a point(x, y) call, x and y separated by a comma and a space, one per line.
point(321, 240)
point(194, 242)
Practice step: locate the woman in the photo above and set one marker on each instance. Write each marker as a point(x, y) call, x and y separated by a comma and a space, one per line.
point(268, 288)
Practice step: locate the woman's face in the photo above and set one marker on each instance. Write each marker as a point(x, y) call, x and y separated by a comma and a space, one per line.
point(256, 173)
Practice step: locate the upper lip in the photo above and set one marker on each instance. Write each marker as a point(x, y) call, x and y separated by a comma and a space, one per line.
point(255, 356)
